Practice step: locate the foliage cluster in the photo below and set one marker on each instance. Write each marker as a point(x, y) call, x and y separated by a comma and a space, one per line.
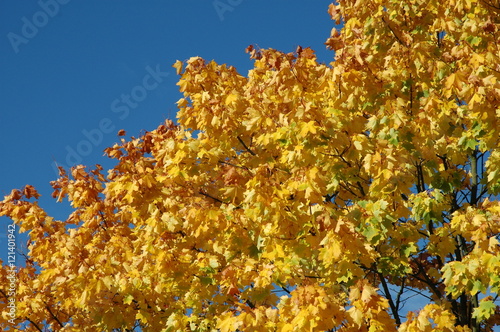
point(302, 197)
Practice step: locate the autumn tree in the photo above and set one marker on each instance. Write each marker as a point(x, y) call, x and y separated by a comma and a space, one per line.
point(303, 197)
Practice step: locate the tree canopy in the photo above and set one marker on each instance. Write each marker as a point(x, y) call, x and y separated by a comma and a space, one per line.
point(301, 197)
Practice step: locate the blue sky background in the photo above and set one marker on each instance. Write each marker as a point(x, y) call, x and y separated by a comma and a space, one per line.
point(63, 63)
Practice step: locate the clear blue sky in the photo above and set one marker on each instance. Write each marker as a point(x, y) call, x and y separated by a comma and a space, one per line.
point(65, 64)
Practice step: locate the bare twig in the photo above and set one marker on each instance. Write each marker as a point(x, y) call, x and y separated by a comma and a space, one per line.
point(393, 32)
point(201, 192)
point(388, 296)
point(245, 146)
point(34, 324)
point(54, 316)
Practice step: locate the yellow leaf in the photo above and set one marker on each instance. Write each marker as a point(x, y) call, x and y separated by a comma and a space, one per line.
point(178, 66)
point(307, 128)
point(226, 323)
point(231, 98)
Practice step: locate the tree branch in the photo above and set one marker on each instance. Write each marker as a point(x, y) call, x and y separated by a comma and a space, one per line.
point(54, 316)
point(34, 324)
point(474, 178)
point(286, 290)
point(401, 290)
point(245, 146)
point(393, 32)
point(388, 295)
point(201, 192)
point(234, 165)
point(426, 279)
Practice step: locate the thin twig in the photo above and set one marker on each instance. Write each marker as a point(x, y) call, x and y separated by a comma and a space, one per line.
point(286, 290)
point(388, 296)
point(234, 165)
point(54, 316)
point(401, 291)
point(394, 33)
point(245, 146)
point(210, 196)
point(34, 324)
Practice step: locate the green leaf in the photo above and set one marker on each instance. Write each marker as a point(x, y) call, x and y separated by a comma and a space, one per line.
point(371, 234)
point(206, 280)
point(484, 311)
point(393, 137)
point(284, 141)
point(466, 142)
point(128, 299)
point(408, 249)
point(363, 204)
point(473, 40)
point(254, 251)
point(477, 286)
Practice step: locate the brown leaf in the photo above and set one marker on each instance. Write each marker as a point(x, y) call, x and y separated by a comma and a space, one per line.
point(29, 191)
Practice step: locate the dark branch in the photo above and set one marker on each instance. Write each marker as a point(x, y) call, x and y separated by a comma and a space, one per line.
point(398, 296)
point(201, 192)
point(426, 279)
point(54, 316)
point(234, 165)
point(393, 32)
point(388, 295)
point(286, 290)
point(34, 324)
point(245, 146)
